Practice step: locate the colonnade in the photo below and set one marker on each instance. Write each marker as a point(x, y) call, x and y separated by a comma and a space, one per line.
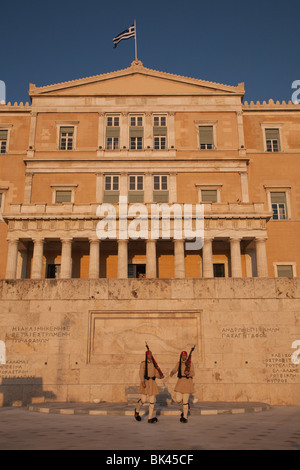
point(151, 263)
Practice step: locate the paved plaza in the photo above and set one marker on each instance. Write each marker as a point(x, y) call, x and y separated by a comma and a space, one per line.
point(276, 428)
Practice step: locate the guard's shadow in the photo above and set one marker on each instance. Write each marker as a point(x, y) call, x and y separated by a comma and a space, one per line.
point(23, 390)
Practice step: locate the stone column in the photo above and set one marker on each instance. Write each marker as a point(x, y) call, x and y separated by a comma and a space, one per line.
point(66, 259)
point(179, 259)
point(151, 259)
point(261, 257)
point(37, 262)
point(122, 259)
point(207, 261)
point(12, 257)
point(235, 255)
point(94, 266)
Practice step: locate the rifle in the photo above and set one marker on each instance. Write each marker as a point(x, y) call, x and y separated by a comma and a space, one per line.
point(189, 361)
point(155, 364)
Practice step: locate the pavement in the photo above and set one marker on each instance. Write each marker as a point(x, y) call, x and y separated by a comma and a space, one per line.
point(112, 427)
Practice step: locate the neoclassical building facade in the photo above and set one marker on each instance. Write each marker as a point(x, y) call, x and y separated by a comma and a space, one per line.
point(142, 206)
point(154, 138)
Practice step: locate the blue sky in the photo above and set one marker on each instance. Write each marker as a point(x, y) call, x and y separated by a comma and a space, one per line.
point(256, 42)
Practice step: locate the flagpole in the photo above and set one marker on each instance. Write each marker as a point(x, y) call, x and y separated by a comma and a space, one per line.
point(135, 40)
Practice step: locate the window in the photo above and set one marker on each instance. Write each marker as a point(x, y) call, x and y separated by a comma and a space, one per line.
point(136, 189)
point(209, 195)
point(219, 270)
point(136, 143)
point(160, 182)
point(62, 196)
point(285, 270)
point(111, 189)
point(160, 142)
point(112, 132)
point(136, 133)
point(209, 192)
point(279, 206)
point(160, 189)
point(111, 183)
point(159, 132)
point(136, 270)
point(206, 137)
point(136, 121)
point(136, 183)
point(3, 140)
point(272, 140)
point(113, 121)
point(159, 121)
point(66, 138)
point(53, 271)
point(112, 143)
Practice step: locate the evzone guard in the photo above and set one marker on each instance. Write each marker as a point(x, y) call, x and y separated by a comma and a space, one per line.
point(149, 372)
point(184, 386)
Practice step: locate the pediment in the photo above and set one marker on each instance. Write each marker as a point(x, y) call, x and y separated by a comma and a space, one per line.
point(135, 80)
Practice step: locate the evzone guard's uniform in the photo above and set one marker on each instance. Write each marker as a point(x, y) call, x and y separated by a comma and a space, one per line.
point(184, 386)
point(149, 372)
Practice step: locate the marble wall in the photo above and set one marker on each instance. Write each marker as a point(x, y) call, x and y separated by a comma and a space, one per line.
point(83, 340)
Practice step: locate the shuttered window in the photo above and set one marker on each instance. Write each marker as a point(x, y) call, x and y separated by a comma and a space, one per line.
point(209, 195)
point(206, 137)
point(285, 270)
point(3, 141)
point(63, 196)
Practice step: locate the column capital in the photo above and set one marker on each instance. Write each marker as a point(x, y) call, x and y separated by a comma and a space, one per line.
point(208, 239)
point(12, 241)
point(235, 238)
point(94, 240)
point(38, 241)
point(261, 239)
point(66, 240)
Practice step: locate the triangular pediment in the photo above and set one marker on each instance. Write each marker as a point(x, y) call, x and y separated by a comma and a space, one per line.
point(135, 80)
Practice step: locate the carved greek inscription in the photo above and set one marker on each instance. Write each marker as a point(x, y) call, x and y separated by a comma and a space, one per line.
point(15, 369)
point(280, 369)
point(37, 334)
point(251, 332)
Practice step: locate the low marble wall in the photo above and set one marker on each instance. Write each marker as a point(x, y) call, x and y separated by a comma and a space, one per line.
point(83, 340)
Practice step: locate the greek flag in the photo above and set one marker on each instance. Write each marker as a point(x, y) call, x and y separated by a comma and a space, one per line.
point(128, 33)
